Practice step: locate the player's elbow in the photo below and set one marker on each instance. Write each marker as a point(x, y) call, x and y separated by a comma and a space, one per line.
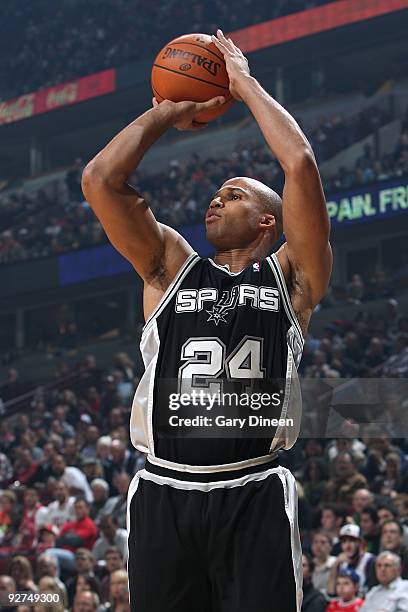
point(93, 179)
point(89, 178)
point(302, 162)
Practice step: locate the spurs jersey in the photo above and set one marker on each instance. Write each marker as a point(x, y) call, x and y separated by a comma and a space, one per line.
point(215, 331)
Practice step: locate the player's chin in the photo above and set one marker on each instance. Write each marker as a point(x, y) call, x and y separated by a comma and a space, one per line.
point(214, 234)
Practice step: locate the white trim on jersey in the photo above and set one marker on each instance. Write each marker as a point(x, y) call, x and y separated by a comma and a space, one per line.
point(224, 268)
point(291, 504)
point(209, 469)
point(134, 483)
point(183, 270)
point(206, 487)
point(280, 280)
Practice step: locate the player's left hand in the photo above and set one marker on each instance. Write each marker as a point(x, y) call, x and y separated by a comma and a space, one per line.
point(235, 61)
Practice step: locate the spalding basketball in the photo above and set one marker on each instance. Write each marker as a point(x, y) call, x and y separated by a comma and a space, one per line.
point(192, 68)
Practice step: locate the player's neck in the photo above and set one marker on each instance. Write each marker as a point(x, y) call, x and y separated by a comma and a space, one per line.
point(238, 259)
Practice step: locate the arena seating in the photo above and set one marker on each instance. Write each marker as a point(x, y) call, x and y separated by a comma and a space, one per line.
point(64, 48)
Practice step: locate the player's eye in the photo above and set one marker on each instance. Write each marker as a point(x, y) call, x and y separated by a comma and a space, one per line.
point(235, 196)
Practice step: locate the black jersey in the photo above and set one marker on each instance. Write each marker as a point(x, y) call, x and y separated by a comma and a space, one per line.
point(212, 330)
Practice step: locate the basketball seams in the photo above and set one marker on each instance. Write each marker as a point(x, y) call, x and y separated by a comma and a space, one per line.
point(189, 76)
point(185, 42)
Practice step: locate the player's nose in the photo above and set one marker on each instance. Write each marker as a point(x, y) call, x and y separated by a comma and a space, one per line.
point(217, 203)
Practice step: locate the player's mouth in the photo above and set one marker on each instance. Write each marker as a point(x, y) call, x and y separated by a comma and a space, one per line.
point(211, 216)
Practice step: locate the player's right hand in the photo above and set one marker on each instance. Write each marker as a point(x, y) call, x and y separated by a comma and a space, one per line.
point(186, 112)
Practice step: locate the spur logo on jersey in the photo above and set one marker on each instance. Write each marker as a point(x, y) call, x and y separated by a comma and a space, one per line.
point(196, 300)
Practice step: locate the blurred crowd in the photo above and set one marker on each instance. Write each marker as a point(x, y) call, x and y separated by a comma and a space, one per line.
point(109, 34)
point(49, 222)
point(66, 463)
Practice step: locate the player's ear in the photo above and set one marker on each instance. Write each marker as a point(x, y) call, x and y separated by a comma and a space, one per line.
point(267, 221)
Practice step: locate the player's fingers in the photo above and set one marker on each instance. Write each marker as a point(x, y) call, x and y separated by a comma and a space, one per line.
point(155, 102)
point(220, 35)
point(219, 44)
point(214, 102)
point(235, 48)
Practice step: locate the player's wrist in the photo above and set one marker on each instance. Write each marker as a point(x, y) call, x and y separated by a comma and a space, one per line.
point(169, 112)
point(245, 86)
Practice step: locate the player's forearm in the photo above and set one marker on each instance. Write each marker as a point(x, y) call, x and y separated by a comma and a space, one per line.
point(281, 131)
point(121, 156)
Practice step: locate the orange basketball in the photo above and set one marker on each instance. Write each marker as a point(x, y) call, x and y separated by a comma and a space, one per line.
point(191, 67)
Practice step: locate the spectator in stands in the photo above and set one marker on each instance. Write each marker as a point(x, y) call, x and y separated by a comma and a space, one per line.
point(119, 591)
point(346, 480)
point(92, 468)
point(25, 468)
point(71, 452)
point(47, 538)
point(103, 448)
point(314, 479)
point(82, 532)
point(33, 515)
point(390, 482)
point(86, 601)
point(347, 586)
point(61, 510)
point(47, 584)
point(313, 600)
point(92, 436)
point(47, 565)
point(121, 460)
point(84, 566)
point(113, 561)
point(100, 491)
point(392, 539)
point(361, 499)
point(117, 506)
point(21, 571)
point(352, 556)
point(386, 512)
point(369, 529)
point(332, 519)
point(392, 592)
point(323, 561)
point(72, 476)
point(111, 535)
point(86, 582)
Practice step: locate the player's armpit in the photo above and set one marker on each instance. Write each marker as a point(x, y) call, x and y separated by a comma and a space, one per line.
point(132, 228)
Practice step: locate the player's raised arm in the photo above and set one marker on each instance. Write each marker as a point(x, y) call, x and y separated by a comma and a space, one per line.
point(155, 250)
point(305, 220)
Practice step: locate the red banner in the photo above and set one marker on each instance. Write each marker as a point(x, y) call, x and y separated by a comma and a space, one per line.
point(16, 109)
point(58, 96)
point(312, 21)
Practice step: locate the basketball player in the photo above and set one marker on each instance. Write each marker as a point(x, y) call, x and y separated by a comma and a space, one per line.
point(213, 520)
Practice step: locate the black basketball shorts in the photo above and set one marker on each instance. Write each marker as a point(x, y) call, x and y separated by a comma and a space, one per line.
point(221, 542)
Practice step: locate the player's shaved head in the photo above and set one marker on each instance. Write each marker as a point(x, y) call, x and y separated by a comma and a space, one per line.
point(270, 202)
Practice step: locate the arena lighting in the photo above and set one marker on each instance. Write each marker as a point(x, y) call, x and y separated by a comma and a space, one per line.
point(312, 21)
